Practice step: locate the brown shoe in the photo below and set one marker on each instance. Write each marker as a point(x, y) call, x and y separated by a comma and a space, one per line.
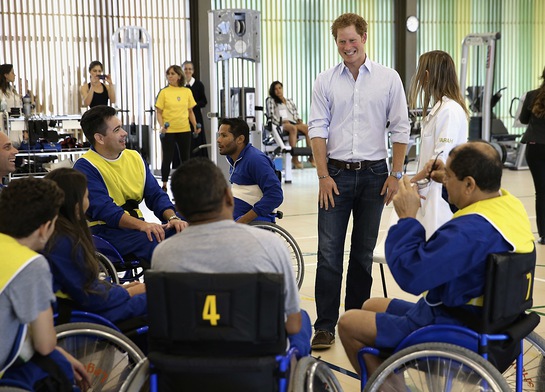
point(322, 340)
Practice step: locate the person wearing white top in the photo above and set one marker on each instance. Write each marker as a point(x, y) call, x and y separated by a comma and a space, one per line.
point(444, 127)
point(355, 106)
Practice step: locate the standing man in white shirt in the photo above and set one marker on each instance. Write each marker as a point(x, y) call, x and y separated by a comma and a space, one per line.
point(355, 105)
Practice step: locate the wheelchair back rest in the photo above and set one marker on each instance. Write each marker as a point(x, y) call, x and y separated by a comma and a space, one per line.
point(508, 289)
point(216, 314)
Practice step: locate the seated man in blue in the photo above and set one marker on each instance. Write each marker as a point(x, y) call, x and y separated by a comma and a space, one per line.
point(449, 268)
point(213, 243)
point(28, 212)
point(255, 185)
point(118, 180)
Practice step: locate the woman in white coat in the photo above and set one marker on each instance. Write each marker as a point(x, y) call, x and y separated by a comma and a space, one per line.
point(445, 126)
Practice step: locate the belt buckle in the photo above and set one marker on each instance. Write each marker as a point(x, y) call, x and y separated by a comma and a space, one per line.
point(357, 165)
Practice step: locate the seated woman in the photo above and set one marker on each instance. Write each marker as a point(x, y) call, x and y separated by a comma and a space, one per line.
point(71, 255)
point(284, 112)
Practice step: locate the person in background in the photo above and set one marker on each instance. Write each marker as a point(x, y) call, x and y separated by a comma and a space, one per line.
point(118, 180)
point(100, 90)
point(283, 111)
point(26, 294)
point(207, 246)
point(355, 106)
point(197, 88)
point(7, 157)
point(533, 114)
point(174, 105)
point(7, 88)
point(444, 127)
point(255, 185)
point(73, 262)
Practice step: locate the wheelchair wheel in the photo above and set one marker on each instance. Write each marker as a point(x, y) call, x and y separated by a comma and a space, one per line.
point(295, 253)
point(108, 355)
point(436, 367)
point(312, 374)
point(107, 270)
point(533, 376)
point(138, 379)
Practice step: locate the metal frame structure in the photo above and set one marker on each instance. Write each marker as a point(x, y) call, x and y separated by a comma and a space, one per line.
point(234, 34)
point(129, 44)
point(488, 40)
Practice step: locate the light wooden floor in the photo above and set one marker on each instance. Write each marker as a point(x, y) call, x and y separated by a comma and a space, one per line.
point(300, 219)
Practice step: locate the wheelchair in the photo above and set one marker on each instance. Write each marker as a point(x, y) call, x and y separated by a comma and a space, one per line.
point(114, 266)
point(107, 355)
point(220, 332)
point(297, 260)
point(496, 352)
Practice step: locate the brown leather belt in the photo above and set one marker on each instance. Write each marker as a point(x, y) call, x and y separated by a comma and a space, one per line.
point(361, 165)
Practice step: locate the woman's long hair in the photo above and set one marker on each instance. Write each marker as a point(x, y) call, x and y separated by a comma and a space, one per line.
point(434, 79)
point(5, 86)
point(73, 223)
point(538, 107)
point(272, 93)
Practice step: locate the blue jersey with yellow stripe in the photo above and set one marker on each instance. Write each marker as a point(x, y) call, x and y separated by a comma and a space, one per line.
point(114, 183)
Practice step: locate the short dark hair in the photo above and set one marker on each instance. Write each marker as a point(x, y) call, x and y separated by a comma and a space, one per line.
point(480, 160)
point(94, 64)
point(28, 203)
point(237, 127)
point(198, 187)
point(94, 121)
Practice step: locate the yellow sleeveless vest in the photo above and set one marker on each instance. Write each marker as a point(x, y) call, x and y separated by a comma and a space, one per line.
point(15, 258)
point(507, 214)
point(125, 177)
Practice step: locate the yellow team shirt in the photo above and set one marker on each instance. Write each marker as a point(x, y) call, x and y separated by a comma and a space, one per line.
point(175, 103)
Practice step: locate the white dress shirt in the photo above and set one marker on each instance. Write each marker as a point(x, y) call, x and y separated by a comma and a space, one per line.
point(353, 114)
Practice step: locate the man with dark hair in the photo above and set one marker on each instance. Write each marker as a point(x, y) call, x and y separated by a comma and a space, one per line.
point(28, 211)
point(213, 243)
point(255, 184)
point(118, 180)
point(7, 157)
point(449, 269)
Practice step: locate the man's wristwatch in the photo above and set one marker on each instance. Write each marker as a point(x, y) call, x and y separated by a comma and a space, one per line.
point(397, 175)
point(173, 217)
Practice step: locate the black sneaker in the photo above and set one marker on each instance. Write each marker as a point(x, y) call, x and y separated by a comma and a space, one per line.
point(541, 241)
point(322, 340)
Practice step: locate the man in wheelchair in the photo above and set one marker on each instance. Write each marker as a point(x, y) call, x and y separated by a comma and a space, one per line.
point(255, 184)
point(213, 243)
point(448, 270)
point(118, 180)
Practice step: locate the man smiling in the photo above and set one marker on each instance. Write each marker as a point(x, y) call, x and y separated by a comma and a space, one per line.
point(118, 181)
point(355, 105)
point(7, 157)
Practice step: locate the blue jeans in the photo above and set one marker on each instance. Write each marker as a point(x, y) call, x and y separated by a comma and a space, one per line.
point(359, 195)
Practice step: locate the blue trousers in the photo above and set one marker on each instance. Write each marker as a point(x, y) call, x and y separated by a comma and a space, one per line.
point(301, 339)
point(360, 197)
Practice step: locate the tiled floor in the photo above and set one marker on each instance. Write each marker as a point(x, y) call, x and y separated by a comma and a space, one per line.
point(300, 219)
